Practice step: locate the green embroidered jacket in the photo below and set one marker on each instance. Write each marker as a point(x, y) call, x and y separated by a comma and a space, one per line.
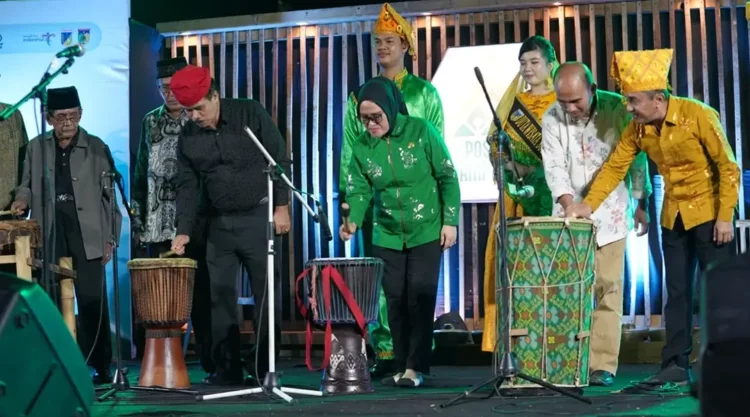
point(422, 100)
point(411, 178)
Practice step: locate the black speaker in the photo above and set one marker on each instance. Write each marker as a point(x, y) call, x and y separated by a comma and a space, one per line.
point(723, 380)
point(42, 371)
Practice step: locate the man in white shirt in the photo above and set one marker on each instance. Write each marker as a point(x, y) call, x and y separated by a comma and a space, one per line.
point(578, 134)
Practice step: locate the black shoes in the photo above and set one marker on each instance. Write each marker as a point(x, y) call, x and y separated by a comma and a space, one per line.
point(102, 376)
point(672, 374)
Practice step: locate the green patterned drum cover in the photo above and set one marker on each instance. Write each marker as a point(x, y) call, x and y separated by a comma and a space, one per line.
point(551, 273)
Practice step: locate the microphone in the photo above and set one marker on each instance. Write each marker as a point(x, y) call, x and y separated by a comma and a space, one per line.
point(323, 220)
point(495, 119)
point(71, 51)
point(527, 191)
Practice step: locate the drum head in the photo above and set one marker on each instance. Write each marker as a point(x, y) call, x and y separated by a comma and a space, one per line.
point(342, 262)
point(549, 219)
point(148, 263)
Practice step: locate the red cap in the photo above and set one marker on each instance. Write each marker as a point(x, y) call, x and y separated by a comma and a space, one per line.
point(190, 84)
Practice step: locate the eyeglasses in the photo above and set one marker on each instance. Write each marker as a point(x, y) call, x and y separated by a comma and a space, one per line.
point(63, 118)
point(165, 88)
point(367, 118)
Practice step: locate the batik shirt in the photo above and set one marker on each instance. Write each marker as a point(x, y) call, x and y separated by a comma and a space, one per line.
point(574, 151)
point(154, 195)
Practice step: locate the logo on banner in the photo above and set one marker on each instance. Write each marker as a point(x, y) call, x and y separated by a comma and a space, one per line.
point(83, 36)
point(66, 37)
point(43, 38)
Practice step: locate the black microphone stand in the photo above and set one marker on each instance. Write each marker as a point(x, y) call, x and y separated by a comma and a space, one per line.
point(46, 219)
point(508, 368)
point(119, 379)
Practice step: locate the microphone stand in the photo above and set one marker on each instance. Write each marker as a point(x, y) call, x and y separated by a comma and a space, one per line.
point(508, 366)
point(46, 222)
point(119, 379)
point(272, 381)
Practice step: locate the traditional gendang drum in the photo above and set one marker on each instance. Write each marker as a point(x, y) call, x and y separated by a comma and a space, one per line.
point(341, 295)
point(551, 273)
point(163, 298)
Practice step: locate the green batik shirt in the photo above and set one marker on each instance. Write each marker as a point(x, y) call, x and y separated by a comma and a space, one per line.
point(422, 100)
point(410, 177)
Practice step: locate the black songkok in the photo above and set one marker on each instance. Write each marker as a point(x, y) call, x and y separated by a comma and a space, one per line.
point(167, 67)
point(62, 98)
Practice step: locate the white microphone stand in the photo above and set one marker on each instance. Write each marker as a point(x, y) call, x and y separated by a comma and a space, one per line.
point(272, 381)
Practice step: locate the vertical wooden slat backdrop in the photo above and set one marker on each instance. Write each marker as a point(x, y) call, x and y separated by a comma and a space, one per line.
point(585, 32)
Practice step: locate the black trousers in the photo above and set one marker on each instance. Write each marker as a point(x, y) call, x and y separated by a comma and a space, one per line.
point(681, 250)
point(410, 283)
point(90, 288)
point(200, 314)
point(234, 240)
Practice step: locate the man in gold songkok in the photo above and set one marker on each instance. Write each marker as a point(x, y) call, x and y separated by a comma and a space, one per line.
point(685, 139)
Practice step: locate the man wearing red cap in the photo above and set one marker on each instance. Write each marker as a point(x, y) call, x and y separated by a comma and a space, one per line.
point(213, 147)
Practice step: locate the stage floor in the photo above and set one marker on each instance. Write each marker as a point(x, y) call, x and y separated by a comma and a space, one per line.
point(439, 388)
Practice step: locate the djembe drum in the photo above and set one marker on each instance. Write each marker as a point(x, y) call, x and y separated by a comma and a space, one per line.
point(342, 295)
point(551, 274)
point(163, 298)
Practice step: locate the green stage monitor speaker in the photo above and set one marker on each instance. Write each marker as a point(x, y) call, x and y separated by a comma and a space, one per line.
point(42, 371)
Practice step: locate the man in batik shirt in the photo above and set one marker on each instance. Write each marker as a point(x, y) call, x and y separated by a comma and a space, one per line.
point(393, 38)
point(578, 134)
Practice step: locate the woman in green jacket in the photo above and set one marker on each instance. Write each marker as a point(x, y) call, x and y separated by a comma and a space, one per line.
point(402, 164)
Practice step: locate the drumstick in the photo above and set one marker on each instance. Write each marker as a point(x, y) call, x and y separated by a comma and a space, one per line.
point(345, 216)
point(168, 254)
point(6, 212)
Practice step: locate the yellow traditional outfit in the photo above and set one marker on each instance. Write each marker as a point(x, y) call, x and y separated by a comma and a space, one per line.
point(521, 114)
point(701, 180)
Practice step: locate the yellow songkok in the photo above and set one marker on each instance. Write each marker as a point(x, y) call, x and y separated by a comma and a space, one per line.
point(636, 71)
point(390, 22)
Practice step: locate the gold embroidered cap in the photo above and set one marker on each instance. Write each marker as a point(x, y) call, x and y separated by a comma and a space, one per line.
point(636, 71)
point(391, 23)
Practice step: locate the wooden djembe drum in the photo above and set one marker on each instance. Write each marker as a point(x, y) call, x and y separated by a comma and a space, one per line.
point(163, 298)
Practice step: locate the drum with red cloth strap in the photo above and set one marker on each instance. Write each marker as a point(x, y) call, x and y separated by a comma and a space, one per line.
point(341, 295)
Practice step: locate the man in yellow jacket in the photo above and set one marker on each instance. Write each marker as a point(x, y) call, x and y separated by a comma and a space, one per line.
point(685, 139)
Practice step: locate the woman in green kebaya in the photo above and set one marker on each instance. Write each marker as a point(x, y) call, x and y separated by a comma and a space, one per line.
point(401, 164)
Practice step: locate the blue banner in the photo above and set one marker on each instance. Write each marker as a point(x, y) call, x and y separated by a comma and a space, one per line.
point(41, 29)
